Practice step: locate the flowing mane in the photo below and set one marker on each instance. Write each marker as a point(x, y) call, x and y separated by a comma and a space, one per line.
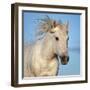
point(46, 24)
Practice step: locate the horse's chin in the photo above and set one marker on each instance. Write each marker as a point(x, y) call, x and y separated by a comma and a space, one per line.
point(64, 62)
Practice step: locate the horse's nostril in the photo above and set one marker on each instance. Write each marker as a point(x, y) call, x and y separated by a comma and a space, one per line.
point(65, 58)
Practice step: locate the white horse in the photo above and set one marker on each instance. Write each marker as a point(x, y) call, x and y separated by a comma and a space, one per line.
point(40, 58)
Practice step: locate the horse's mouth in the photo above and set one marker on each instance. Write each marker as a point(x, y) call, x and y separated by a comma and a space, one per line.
point(64, 60)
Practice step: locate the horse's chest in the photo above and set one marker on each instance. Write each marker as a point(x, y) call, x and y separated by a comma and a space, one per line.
point(49, 65)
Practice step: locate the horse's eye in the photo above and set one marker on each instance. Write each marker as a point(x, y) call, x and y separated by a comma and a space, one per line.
point(57, 38)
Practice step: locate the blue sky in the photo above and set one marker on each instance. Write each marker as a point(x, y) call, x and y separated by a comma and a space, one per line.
point(31, 22)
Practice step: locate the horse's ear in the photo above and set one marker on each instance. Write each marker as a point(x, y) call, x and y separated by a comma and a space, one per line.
point(67, 25)
point(53, 29)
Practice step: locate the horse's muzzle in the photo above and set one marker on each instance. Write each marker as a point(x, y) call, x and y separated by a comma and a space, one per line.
point(64, 60)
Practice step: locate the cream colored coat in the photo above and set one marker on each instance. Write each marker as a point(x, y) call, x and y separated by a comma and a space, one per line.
point(39, 59)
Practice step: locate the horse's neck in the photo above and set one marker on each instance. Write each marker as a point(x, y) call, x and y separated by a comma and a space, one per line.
point(47, 49)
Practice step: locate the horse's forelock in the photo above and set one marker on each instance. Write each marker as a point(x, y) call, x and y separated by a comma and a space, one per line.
point(46, 24)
